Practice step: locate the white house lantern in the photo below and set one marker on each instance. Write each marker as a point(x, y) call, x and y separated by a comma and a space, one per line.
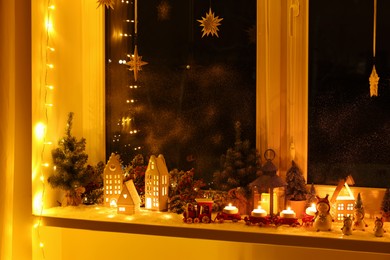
point(129, 201)
point(113, 178)
point(156, 184)
point(343, 202)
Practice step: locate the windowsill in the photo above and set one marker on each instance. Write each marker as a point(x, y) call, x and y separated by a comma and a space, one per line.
point(171, 225)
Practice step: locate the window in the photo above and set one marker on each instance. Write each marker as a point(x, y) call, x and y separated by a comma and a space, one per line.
point(188, 97)
point(348, 130)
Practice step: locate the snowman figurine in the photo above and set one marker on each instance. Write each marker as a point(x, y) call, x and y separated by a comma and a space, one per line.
point(378, 229)
point(347, 227)
point(323, 219)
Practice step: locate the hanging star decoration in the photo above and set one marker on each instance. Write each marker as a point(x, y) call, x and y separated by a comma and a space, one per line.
point(107, 3)
point(374, 80)
point(210, 24)
point(136, 63)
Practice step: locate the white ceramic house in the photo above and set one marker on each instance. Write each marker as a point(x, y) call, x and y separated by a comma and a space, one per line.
point(113, 179)
point(342, 200)
point(156, 184)
point(129, 201)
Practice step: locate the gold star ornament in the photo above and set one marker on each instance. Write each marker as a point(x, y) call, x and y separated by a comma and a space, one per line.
point(107, 3)
point(136, 63)
point(210, 24)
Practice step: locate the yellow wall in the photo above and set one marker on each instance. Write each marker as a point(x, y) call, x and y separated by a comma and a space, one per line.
point(16, 239)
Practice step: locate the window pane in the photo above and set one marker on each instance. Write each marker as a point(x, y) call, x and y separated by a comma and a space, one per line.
point(349, 131)
point(188, 97)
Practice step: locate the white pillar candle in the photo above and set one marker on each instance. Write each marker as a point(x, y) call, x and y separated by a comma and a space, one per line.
point(288, 213)
point(259, 212)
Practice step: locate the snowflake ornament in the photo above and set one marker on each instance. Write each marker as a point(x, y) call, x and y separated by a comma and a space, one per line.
point(136, 63)
point(107, 3)
point(210, 24)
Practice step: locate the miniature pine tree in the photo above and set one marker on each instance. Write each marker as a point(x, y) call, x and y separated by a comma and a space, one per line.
point(239, 166)
point(311, 195)
point(296, 184)
point(70, 160)
point(385, 206)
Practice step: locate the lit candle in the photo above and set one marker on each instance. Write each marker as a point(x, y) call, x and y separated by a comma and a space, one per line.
point(259, 212)
point(311, 210)
point(230, 209)
point(288, 213)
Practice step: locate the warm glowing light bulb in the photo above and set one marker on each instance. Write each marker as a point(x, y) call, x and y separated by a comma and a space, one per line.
point(40, 129)
point(51, 66)
point(51, 87)
point(41, 245)
point(49, 26)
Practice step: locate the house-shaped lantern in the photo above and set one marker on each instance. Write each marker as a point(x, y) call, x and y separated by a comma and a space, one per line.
point(129, 201)
point(266, 183)
point(343, 203)
point(113, 178)
point(156, 184)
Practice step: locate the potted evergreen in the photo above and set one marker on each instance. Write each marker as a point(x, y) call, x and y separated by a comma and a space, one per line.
point(296, 192)
point(71, 174)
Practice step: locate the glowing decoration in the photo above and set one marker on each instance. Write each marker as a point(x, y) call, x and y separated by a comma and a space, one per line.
point(287, 213)
point(129, 201)
point(374, 78)
point(136, 63)
point(259, 212)
point(230, 209)
point(343, 205)
point(156, 184)
point(113, 179)
point(311, 211)
point(210, 24)
point(106, 3)
point(40, 129)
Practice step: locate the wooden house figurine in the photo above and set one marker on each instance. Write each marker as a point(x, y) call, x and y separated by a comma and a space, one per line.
point(129, 201)
point(156, 184)
point(343, 201)
point(113, 178)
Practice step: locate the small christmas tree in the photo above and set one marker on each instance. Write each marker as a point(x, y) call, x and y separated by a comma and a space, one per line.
point(311, 195)
point(296, 184)
point(136, 171)
point(239, 166)
point(385, 207)
point(71, 173)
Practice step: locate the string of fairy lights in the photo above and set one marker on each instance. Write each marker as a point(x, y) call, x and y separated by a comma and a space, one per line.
point(46, 92)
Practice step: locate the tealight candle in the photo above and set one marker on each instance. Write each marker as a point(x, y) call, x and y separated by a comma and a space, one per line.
point(230, 209)
point(288, 213)
point(259, 212)
point(311, 210)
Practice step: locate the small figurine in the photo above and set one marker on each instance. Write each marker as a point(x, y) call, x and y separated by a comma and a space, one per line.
point(347, 227)
point(323, 219)
point(358, 215)
point(378, 229)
